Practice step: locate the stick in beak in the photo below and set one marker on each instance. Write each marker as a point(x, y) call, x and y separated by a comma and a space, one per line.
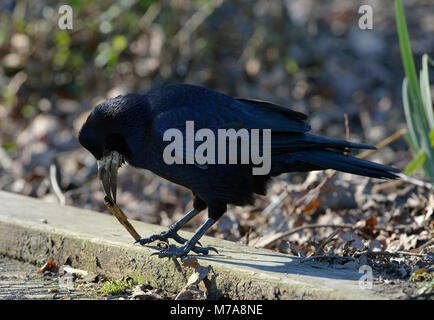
point(108, 173)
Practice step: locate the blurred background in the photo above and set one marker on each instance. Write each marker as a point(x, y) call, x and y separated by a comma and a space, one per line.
point(305, 54)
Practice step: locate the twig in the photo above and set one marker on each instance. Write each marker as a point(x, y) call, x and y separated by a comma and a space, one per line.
point(347, 128)
point(253, 44)
point(278, 236)
point(369, 253)
point(426, 244)
point(323, 256)
point(190, 26)
point(403, 179)
point(150, 15)
point(404, 253)
point(376, 253)
point(117, 212)
point(392, 254)
point(275, 204)
point(422, 295)
point(55, 185)
point(383, 143)
point(415, 181)
point(327, 240)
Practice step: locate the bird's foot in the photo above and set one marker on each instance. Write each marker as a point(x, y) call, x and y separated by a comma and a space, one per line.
point(177, 252)
point(164, 236)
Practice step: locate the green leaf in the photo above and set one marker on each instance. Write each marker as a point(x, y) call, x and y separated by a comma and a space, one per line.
point(406, 53)
point(120, 43)
point(291, 66)
point(426, 92)
point(431, 137)
point(63, 39)
point(409, 118)
point(414, 106)
point(416, 163)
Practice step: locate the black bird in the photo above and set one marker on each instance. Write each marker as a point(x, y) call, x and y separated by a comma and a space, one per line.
point(131, 128)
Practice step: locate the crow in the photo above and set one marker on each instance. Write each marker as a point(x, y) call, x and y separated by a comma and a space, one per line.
point(132, 129)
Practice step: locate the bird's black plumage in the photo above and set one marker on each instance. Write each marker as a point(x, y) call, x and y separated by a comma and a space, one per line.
point(134, 125)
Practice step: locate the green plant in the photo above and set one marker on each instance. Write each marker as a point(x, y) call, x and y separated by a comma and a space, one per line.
point(118, 287)
point(114, 288)
point(417, 101)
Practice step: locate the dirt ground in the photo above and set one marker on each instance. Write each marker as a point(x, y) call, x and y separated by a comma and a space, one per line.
point(21, 281)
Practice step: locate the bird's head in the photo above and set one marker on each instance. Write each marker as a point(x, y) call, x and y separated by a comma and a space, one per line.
point(103, 134)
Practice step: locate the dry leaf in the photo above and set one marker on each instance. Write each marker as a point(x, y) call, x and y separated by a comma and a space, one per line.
point(370, 224)
point(50, 265)
point(189, 262)
point(195, 288)
point(311, 206)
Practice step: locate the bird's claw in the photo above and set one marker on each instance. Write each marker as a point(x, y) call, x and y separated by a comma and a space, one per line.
point(205, 250)
point(164, 236)
point(178, 252)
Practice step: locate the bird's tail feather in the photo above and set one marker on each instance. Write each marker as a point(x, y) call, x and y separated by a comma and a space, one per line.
point(333, 160)
point(282, 142)
point(334, 143)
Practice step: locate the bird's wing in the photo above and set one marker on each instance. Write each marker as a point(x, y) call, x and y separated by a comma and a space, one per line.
point(177, 118)
point(223, 112)
point(266, 115)
point(295, 115)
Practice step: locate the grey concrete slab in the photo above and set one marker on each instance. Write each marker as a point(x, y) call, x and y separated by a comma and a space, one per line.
point(33, 231)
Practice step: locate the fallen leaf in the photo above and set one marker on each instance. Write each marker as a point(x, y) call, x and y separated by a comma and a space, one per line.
point(189, 262)
point(196, 288)
point(311, 206)
point(140, 293)
point(50, 266)
point(370, 224)
point(351, 236)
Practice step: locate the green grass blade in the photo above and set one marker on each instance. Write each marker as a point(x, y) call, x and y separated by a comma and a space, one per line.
point(416, 163)
point(409, 118)
point(426, 92)
point(407, 55)
point(410, 143)
point(414, 106)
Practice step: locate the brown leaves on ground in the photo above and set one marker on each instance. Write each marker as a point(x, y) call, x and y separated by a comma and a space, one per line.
point(198, 284)
point(141, 292)
point(344, 218)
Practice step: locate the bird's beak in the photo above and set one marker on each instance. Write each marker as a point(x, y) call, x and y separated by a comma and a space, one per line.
point(108, 173)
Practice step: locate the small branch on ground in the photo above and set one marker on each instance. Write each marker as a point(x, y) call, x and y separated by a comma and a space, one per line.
point(330, 238)
point(342, 258)
point(281, 235)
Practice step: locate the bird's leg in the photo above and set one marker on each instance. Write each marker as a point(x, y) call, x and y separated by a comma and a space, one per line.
point(176, 252)
point(172, 231)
